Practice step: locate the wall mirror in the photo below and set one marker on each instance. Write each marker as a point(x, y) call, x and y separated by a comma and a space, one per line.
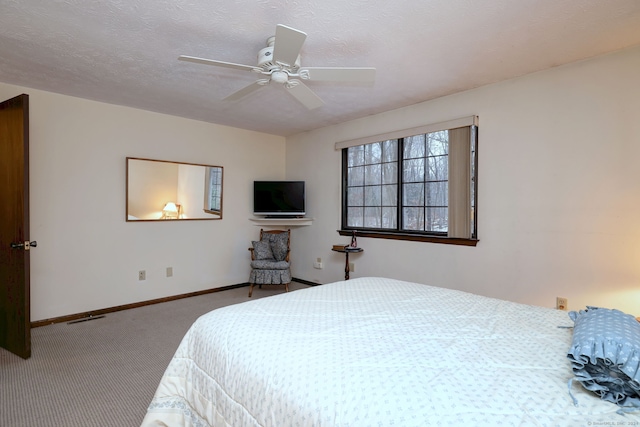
point(160, 190)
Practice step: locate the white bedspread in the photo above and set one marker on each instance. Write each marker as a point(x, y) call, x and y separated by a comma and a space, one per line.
point(376, 352)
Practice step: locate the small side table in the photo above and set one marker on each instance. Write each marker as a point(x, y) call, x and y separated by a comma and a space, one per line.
point(347, 251)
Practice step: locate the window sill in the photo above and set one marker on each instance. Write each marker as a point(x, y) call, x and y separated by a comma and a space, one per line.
point(411, 237)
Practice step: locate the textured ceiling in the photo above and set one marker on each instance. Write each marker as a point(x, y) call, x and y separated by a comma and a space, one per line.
point(125, 51)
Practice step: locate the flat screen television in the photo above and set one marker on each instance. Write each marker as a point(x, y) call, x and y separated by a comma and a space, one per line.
point(279, 198)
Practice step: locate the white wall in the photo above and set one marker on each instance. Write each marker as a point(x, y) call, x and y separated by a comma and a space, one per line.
point(88, 257)
point(558, 198)
point(191, 190)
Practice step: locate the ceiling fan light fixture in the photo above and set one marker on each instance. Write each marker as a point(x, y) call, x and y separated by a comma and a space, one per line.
point(280, 77)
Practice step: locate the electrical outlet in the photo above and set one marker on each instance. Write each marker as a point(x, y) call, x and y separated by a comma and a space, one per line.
point(562, 303)
point(352, 267)
point(142, 275)
point(169, 271)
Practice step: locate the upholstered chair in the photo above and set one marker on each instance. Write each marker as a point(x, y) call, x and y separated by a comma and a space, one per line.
point(270, 259)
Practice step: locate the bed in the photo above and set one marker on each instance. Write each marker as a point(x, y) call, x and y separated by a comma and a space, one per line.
point(376, 352)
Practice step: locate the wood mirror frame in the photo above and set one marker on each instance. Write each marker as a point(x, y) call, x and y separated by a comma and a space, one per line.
point(162, 190)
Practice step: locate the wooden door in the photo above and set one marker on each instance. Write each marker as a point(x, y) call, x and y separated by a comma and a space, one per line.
point(15, 315)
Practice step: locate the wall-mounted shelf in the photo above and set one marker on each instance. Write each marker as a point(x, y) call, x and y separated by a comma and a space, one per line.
point(293, 222)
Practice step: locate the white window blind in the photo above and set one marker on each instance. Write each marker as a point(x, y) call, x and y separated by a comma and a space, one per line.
point(435, 127)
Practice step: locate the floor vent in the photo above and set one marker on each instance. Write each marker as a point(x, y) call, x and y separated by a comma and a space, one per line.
point(85, 319)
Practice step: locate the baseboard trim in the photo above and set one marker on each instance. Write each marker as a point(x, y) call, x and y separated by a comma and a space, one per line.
point(102, 311)
point(305, 282)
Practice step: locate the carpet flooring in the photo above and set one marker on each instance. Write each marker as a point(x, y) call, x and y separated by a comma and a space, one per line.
point(102, 372)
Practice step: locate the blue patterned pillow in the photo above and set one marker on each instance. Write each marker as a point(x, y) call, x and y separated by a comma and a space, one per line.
point(262, 250)
point(605, 354)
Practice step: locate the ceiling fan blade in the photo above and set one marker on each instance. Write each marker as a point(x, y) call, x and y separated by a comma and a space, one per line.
point(216, 63)
point(346, 74)
point(306, 96)
point(288, 43)
point(245, 91)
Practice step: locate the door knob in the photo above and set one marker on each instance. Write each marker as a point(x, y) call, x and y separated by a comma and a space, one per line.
point(26, 245)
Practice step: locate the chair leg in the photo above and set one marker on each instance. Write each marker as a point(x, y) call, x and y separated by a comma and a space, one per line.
point(286, 287)
point(250, 289)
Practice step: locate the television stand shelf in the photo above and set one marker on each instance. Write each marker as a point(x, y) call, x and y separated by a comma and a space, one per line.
point(294, 222)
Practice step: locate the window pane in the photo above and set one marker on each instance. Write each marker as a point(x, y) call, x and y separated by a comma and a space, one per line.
point(355, 156)
point(413, 170)
point(390, 150)
point(389, 195)
point(437, 219)
point(372, 196)
point(356, 176)
point(437, 193)
point(373, 174)
point(413, 194)
point(438, 143)
point(413, 218)
point(437, 168)
point(372, 153)
point(354, 217)
point(389, 218)
point(390, 173)
point(372, 217)
point(414, 146)
point(355, 196)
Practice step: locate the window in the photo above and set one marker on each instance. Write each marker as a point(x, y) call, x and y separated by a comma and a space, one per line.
point(213, 190)
point(417, 187)
point(425, 181)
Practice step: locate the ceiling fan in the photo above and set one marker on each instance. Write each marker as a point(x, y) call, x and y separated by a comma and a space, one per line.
point(279, 62)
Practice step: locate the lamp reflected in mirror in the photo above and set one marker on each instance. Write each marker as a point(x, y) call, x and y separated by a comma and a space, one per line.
point(160, 190)
point(171, 211)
